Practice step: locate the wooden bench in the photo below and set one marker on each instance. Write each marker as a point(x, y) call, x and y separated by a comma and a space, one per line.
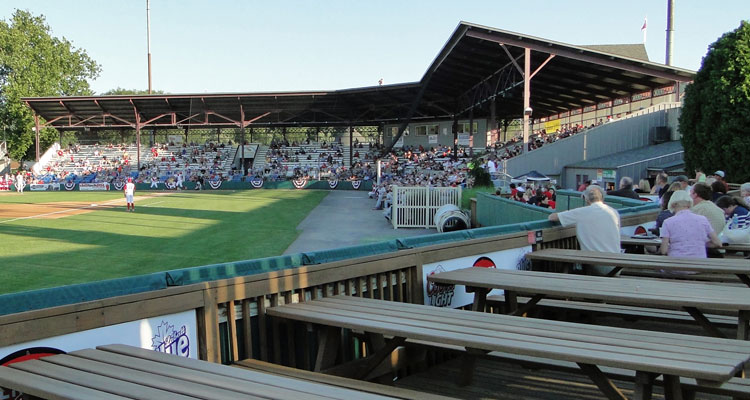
point(737, 267)
point(620, 310)
point(333, 380)
point(119, 371)
point(694, 298)
point(711, 361)
point(735, 387)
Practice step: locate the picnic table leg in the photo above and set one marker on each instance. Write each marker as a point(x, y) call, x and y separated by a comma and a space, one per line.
point(704, 322)
point(378, 357)
point(328, 348)
point(468, 363)
point(480, 298)
point(603, 383)
point(672, 389)
point(742, 324)
point(644, 385)
point(511, 301)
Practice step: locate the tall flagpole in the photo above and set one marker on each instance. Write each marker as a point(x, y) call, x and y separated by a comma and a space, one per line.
point(148, 38)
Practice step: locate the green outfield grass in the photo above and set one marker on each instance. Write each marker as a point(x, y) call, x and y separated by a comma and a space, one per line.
point(178, 230)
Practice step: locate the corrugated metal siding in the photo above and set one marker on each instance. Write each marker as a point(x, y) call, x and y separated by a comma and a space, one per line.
point(607, 139)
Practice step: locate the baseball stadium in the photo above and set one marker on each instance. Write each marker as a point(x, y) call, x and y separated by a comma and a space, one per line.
point(407, 240)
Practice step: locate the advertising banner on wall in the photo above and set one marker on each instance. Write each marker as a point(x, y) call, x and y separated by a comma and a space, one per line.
point(172, 334)
point(464, 139)
point(42, 187)
point(552, 126)
point(433, 139)
point(93, 186)
point(456, 296)
point(4, 185)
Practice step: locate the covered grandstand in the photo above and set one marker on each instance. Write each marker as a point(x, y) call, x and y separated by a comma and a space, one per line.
point(481, 74)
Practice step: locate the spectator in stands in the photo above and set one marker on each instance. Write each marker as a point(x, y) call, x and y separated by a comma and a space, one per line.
point(626, 189)
point(682, 180)
point(664, 214)
point(699, 175)
point(745, 192)
point(702, 205)
point(734, 207)
point(583, 186)
point(660, 185)
point(597, 225)
point(644, 187)
point(719, 190)
point(686, 234)
point(719, 176)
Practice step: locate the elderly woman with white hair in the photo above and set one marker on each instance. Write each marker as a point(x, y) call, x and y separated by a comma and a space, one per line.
point(745, 192)
point(686, 234)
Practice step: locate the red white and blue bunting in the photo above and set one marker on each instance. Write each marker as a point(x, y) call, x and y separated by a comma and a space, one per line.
point(119, 185)
point(299, 183)
point(356, 184)
point(256, 182)
point(215, 184)
point(70, 185)
point(170, 184)
point(332, 183)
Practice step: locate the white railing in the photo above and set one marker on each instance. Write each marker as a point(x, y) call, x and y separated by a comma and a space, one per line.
point(415, 207)
point(648, 110)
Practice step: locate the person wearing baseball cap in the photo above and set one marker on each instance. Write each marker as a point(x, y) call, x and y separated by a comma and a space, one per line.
point(719, 175)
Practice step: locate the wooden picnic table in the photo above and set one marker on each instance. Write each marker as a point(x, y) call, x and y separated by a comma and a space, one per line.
point(651, 293)
point(126, 372)
point(650, 354)
point(736, 266)
point(635, 240)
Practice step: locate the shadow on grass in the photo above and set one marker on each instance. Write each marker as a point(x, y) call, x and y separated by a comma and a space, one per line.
point(121, 244)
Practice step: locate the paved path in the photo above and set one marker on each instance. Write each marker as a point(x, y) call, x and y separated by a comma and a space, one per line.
point(346, 218)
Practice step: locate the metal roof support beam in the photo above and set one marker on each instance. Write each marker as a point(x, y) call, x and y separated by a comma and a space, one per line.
point(242, 131)
point(526, 97)
point(580, 55)
point(250, 121)
point(36, 124)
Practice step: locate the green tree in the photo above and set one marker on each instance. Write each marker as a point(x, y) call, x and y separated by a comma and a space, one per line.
point(33, 63)
point(715, 119)
point(122, 91)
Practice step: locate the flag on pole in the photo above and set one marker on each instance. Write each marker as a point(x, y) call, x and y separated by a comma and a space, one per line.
point(643, 28)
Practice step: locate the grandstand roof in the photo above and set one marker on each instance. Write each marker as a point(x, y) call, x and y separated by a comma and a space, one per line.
point(477, 64)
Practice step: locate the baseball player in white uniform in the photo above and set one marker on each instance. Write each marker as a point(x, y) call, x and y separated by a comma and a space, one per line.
point(20, 183)
point(129, 191)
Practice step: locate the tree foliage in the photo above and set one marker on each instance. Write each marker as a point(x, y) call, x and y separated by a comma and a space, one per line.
point(33, 63)
point(123, 91)
point(715, 119)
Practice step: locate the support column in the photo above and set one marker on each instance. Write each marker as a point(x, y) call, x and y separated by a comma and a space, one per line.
point(138, 144)
point(526, 97)
point(493, 123)
point(351, 149)
point(454, 128)
point(242, 149)
point(36, 125)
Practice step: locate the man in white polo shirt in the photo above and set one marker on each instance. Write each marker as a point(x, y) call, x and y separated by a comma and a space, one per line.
point(597, 225)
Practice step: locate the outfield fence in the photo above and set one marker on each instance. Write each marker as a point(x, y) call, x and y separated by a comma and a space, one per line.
point(415, 206)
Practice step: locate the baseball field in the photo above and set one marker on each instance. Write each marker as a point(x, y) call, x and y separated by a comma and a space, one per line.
point(57, 238)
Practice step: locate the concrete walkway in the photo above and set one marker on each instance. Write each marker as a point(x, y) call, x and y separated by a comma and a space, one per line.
point(346, 218)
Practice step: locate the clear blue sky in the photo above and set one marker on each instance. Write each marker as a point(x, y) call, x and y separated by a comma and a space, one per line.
point(247, 46)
